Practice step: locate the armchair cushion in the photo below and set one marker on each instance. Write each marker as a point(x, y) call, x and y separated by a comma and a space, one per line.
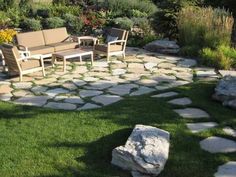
point(30, 64)
point(104, 48)
point(111, 38)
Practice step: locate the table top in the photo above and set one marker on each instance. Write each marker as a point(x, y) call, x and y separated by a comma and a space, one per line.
point(73, 52)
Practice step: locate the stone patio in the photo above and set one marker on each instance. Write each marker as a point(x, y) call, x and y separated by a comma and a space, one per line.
point(88, 87)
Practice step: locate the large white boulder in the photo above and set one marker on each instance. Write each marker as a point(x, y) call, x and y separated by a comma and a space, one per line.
point(145, 152)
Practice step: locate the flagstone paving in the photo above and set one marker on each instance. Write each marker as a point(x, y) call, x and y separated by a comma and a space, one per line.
point(199, 127)
point(226, 170)
point(86, 87)
point(192, 113)
point(180, 101)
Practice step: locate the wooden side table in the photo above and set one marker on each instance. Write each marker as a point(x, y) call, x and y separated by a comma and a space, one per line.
point(87, 41)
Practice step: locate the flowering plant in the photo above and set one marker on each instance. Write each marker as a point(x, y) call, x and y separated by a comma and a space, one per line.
point(6, 35)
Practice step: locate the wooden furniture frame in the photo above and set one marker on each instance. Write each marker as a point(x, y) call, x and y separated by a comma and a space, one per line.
point(75, 53)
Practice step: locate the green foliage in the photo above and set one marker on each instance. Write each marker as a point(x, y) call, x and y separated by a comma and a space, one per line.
point(216, 58)
point(31, 24)
point(73, 23)
point(190, 50)
point(44, 12)
point(138, 13)
point(4, 20)
point(5, 4)
point(15, 16)
point(60, 10)
point(124, 23)
point(140, 41)
point(54, 22)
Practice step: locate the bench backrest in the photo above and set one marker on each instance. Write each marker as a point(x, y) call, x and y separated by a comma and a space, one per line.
point(57, 35)
point(30, 39)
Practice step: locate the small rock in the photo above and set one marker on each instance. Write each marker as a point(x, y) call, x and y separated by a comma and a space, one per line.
point(89, 93)
point(142, 90)
point(56, 91)
point(74, 100)
point(89, 106)
point(22, 85)
point(230, 131)
point(32, 100)
point(163, 46)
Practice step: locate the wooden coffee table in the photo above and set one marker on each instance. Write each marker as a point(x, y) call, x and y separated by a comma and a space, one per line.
point(69, 54)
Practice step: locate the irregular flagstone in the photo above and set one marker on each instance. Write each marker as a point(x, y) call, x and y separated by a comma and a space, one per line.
point(45, 81)
point(89, 106)
point(69, 86)
point(74, 100)
point(5, 82)
point(165, 95)
point(184, 76)
point(63, 106)
point(60, 97)
point(172, 59)
point(205, 72)
point(56, 91)
point(147, 82)
point(89, 93)
point(178, 83)
point(102, 84)
point(226, 170)
point(116, 79)
point(132, 77)
point(180, 101)
point(90, 79)
point(216, 144)
point(227, 73)
point(182, 69)
point(136, 65)
point(187, 63)
point(162, 87)
point(22, 85)
point(106, 99)
point(142, 90)
point(198, 127)
point(39, 89)
point(6, 96)
point(100, 64)
point(21, 93)
point(32, 100)
point(5, 89)
point(194, 113)
point(80, 70)
point(99, 69)
point(150, 66)
point(79, 82)
point(118, 65)
point(154, 60)
point(164, 71)
point(123, 89)
point(166, 65)
point(164, 78)
point(230, 131)
point(116, 72)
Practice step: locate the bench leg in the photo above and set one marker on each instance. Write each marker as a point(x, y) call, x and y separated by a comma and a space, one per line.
point(91, 58)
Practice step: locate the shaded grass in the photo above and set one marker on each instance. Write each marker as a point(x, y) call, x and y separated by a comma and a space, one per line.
point(38, 142)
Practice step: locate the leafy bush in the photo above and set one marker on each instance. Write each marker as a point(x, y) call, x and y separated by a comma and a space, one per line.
point(31, 24)
point(43, 12)
point(54, 22)
point(4, 20)
point(124, 23)
point(137, 41)
point(7, 35)
point(217, 58)
point(138, 13)
point(73, 23)
point(60, 10)
point(15, 16)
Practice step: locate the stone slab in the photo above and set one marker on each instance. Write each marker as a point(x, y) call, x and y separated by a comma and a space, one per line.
point(142, 90)
point(216, 144)
point(230, 131)
point(89, 93)
point(63, 106)
point(106, 99)
point(32, 100)
point(165, 95)
point(74, 100)
point(89, 106)
point(180, 101)
point(226, 170)
point(194, 113)
point(56, 91)
point(198, 127)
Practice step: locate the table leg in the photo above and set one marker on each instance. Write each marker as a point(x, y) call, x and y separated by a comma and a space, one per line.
point(80, 58)
point(64, 64)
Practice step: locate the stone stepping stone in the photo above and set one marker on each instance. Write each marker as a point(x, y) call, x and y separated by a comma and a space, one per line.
point(60, 97)
point(123, 89)
point(89, 106)
point(187, 63)
point(166, 65)
point(32, 100)
point(90, 79)
point(74, 100)
point(56, 91)
point(22, 85)
point(106, 99)
point(163, 87)
point(180, 101)
point(102, 84)
point(63, 106)
point(230, 131)
point(184, 76)
point(69, 86)
point(89, 93)
point(142, 90)
point(164, 78)
point(206, 73)
point(39, 89)
point(116, 72)
point(194, 113)
point(150, 66)
point(226, 170)
point(147, 82)
point(6, 97)
point(5, 89)
point(165, 95)
point(100, 64)
point(216, 144)
point(198, 127)
point(135, 66)
point(227, 73)
point(79, 82)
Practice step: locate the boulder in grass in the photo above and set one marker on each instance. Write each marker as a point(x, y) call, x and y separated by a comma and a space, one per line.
point(163, 46)
point(145, 152)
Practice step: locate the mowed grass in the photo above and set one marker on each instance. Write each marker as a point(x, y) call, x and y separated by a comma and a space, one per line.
point(36, 142)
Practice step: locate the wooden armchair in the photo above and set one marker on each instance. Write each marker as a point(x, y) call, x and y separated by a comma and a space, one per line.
point(116, 47)
point(18, 65)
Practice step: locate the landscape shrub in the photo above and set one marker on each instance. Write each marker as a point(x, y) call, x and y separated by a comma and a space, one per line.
point(4, 20)
point(61, 10)
point(31, 24)
point(6, 35)
point(138, 13)
point(43, 12)
point(124, 23)
point(73, 23)
point(54, 22)
point(15, 16)
point(215, 58)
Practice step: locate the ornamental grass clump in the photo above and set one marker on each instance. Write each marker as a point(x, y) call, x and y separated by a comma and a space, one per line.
point(206, 30)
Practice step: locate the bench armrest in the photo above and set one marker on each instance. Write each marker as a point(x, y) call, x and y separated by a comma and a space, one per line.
point(117, 41)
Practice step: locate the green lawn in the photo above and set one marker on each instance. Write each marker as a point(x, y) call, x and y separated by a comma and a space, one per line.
point(37, 142)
